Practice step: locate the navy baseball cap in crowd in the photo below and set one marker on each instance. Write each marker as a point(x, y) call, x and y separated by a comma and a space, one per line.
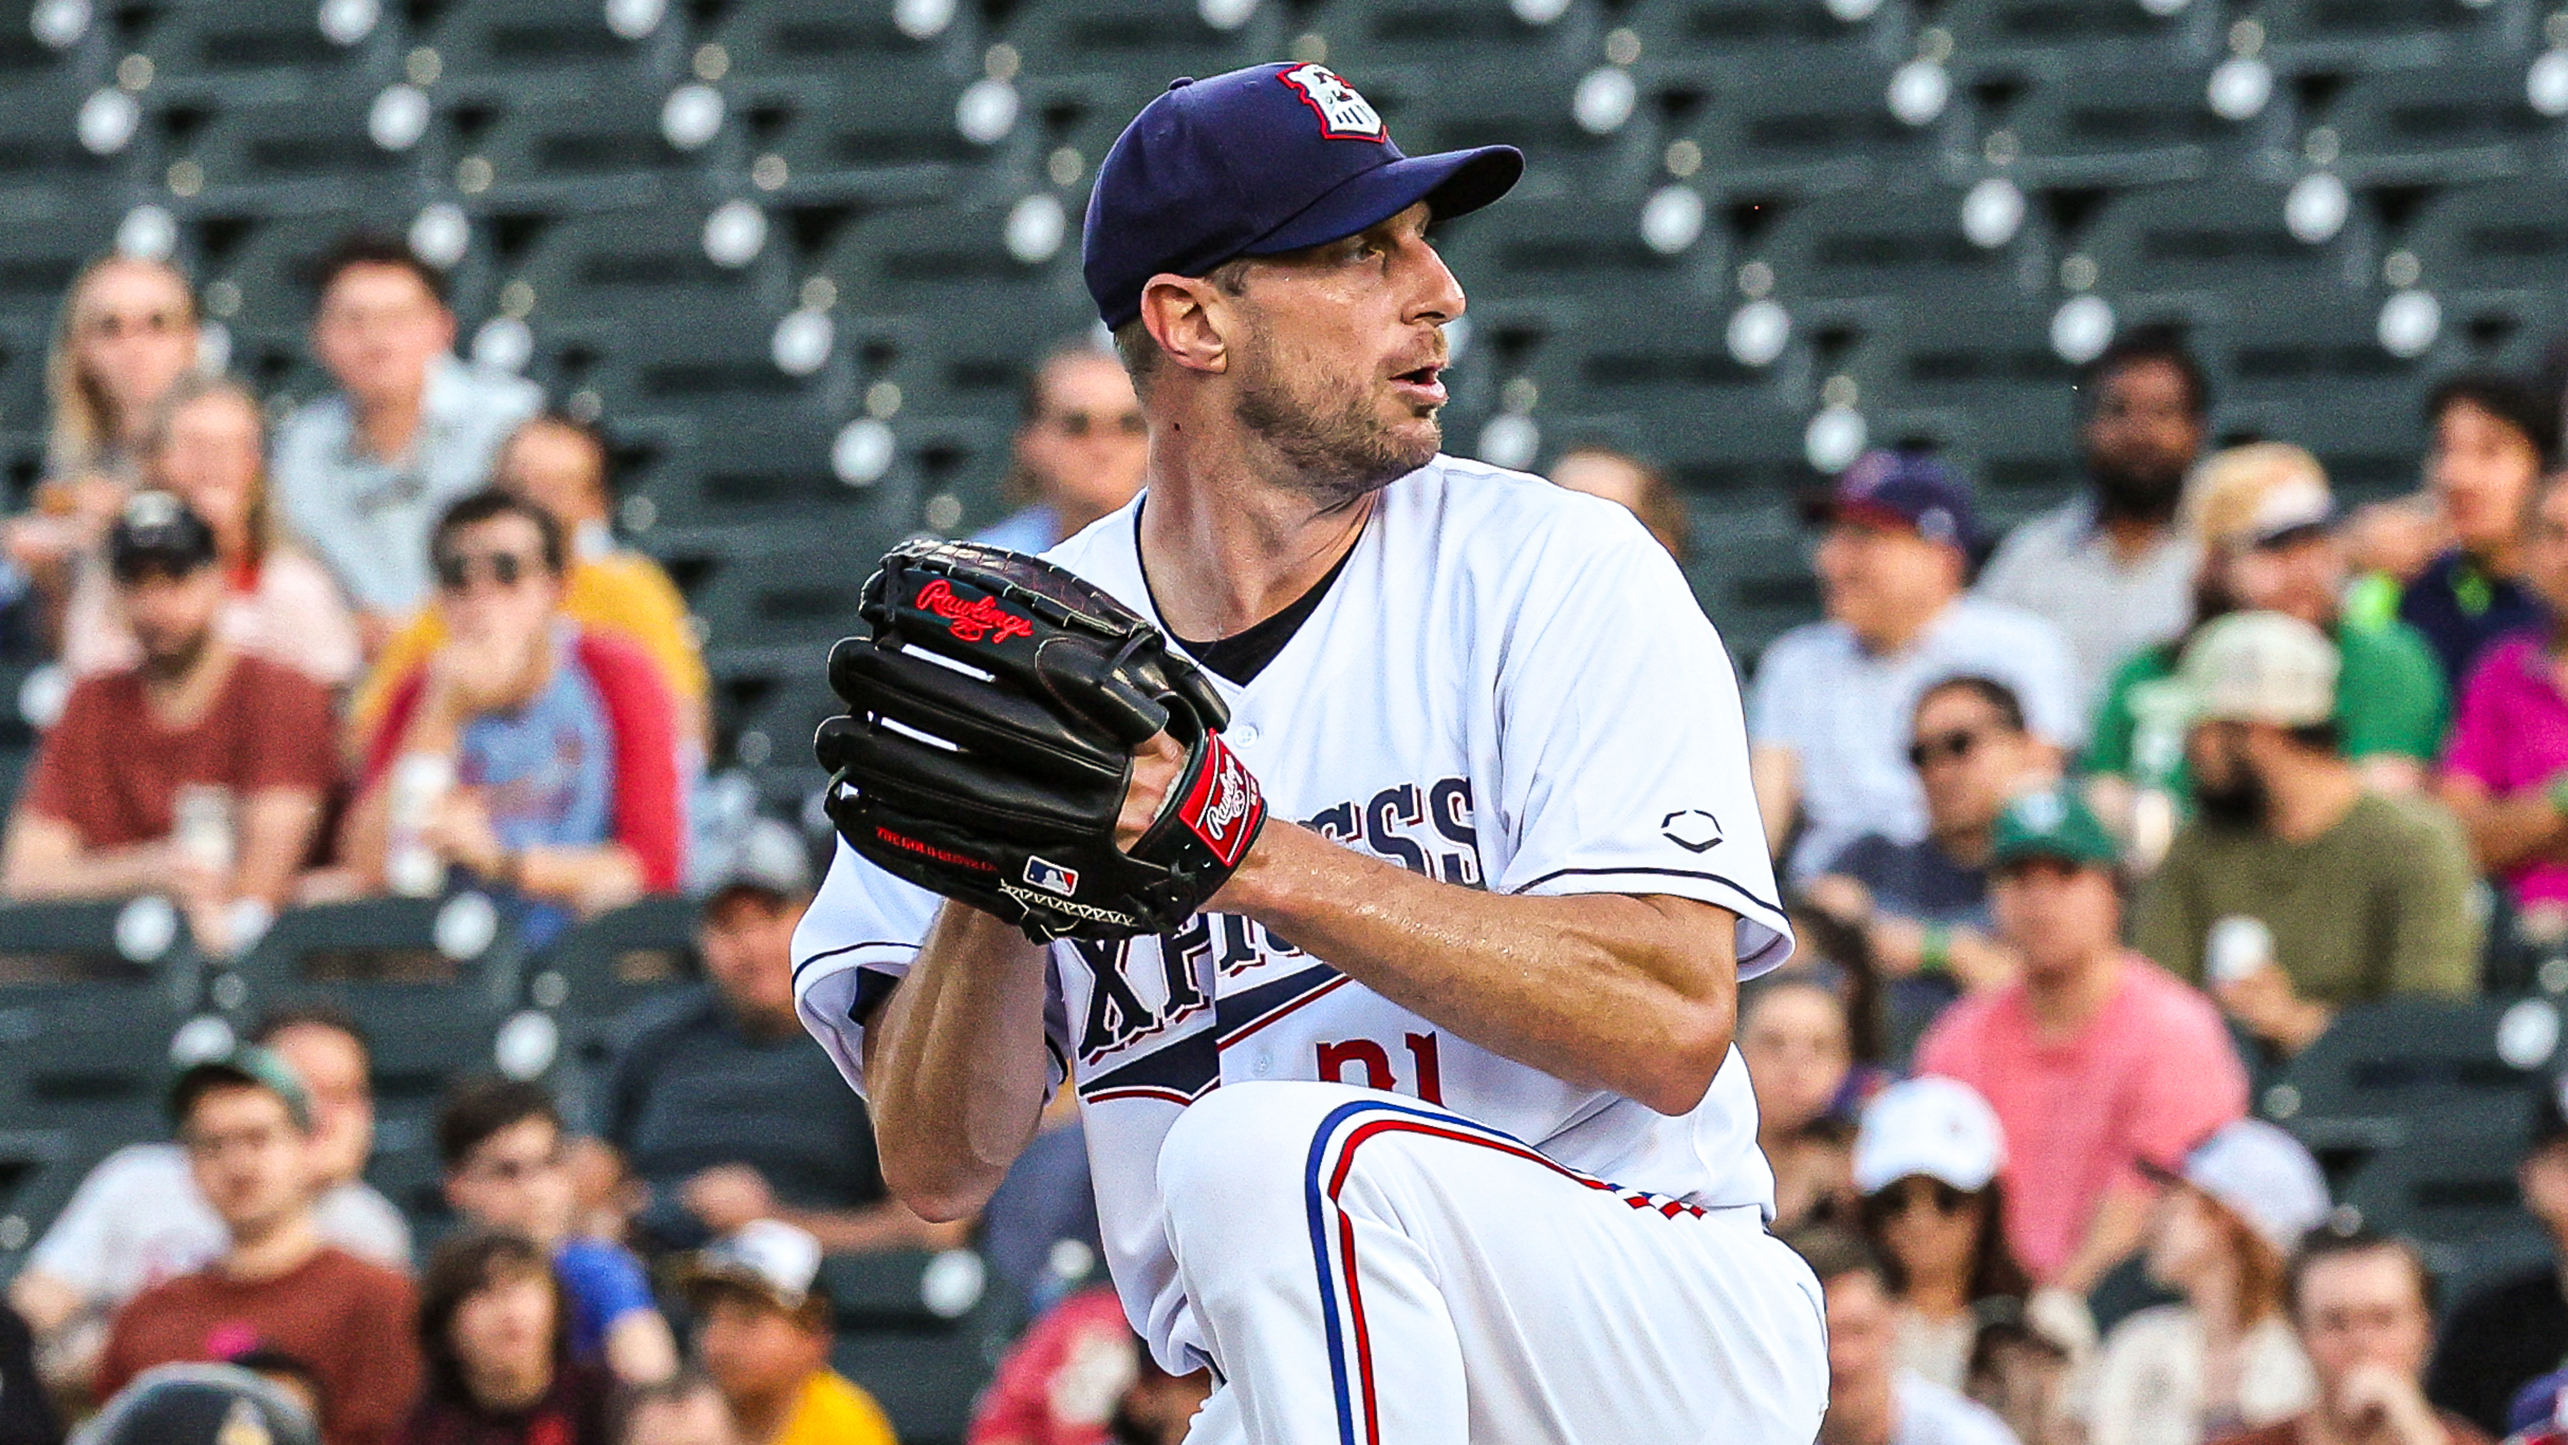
point(1903, 489)
point(156, 529)
point(1258, 162)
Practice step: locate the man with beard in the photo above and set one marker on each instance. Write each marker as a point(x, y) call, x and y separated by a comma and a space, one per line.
point(199, 771)
point(2297, 891)
point(2111, 569)
point(1363, 1174)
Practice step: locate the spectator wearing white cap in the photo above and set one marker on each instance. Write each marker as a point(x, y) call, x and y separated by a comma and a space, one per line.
point(1926, 1160)
point(2225, 1359)
point(2345, 895)
point(763, 1332)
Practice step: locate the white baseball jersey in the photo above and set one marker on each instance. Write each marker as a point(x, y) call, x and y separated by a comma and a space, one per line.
point(1509, 686)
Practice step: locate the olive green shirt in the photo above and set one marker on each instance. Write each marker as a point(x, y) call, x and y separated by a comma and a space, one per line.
point(2377, 905)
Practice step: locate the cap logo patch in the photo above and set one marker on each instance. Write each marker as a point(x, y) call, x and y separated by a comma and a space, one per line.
point(1344, 115)
point(2041, 812)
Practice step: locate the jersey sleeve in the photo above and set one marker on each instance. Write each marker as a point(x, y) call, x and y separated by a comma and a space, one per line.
point(1623, 756)
point(855, 944)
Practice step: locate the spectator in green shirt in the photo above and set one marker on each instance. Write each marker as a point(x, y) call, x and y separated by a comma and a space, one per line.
point(2297, 890)
point(2267, 524)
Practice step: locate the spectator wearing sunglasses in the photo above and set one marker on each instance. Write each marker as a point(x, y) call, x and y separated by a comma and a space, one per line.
point(1926, 1159)
point(1826, 719)
point(536, 756)
point(197, 771)
point(2095, 1058)
point(1080, 446)
point(2224, 1359)
point(559, 463)
point(1922, 906)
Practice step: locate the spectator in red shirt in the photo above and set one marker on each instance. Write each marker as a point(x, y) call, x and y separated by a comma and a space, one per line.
point(539, 758)
point(2097, 1061)
point(277, 1289)
point(198, 771)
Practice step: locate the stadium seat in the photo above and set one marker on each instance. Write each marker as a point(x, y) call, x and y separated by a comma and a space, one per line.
point(920, 1332)
point(2388, 1077)
point(39, 1170)
point(590, 980)
point(91, 995)
point(2457, 1197)
point(2080, 126)
point(2440, 125)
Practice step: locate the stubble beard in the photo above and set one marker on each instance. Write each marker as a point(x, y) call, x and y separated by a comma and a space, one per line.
point(1327, 433)
point(173, 661)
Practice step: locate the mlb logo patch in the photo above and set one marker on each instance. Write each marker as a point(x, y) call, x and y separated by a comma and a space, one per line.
point(1344, 115)
point(1052, 877)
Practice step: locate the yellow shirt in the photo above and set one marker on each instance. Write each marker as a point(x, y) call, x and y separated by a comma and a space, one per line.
point(621, 593)
point(834, 1411)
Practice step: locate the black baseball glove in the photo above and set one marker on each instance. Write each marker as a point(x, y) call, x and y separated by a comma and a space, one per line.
point(992, 713)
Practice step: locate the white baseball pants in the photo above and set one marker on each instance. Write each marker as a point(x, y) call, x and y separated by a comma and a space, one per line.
point(1370, 1270)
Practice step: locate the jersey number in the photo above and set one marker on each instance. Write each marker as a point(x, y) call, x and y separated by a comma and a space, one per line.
point(1375, 1063)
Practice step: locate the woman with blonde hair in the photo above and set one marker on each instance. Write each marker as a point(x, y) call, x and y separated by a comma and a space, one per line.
point(207, 445)
point(128, 331)
point(2226, 1359)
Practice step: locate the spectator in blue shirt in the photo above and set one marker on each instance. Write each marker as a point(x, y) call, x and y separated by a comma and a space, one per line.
point(364, 472)
point(508, 1168)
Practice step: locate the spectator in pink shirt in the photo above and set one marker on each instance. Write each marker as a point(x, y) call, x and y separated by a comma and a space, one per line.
point(2096, 1060)
point(2505, 771)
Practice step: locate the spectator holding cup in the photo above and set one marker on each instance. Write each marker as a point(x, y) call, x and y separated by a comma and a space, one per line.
point(198, 771)
point(540, 758)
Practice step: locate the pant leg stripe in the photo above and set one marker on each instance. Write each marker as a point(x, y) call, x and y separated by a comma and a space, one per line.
point(1354, 1385)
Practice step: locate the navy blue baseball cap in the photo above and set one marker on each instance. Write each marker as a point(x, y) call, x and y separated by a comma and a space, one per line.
point(1258, 162)
point(1902, 489)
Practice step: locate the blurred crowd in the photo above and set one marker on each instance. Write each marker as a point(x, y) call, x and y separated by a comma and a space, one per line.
point(2083, 827)
point(387, 641)
point(2087, 825)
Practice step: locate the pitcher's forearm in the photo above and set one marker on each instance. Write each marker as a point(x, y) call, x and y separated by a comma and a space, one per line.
point(956, 1071)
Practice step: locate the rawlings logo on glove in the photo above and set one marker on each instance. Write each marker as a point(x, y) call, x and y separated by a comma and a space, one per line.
point(1000, 787)
point(975, 620)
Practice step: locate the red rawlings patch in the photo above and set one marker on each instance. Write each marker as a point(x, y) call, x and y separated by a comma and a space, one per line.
point(1224, 807)
point(980, 619)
